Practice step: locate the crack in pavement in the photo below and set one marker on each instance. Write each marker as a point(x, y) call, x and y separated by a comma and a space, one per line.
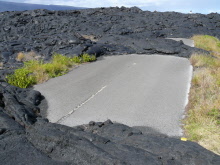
point(80, 105)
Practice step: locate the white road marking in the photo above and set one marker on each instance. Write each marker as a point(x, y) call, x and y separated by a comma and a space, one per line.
point(80, 105)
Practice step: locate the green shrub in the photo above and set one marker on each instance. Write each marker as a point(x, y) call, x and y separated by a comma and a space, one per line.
point(76, 59)
point(93, 58)
point(22, 78)
point(55, 69)
point(60, 59)
point(35, 71)
point(88, 58)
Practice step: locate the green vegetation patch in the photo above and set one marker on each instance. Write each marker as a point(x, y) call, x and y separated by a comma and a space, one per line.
point(21, 78)
point(35, 72)
point(208, 43)
point(203, 116)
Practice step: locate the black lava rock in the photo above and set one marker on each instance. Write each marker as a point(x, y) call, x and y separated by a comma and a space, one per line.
point(28, 138)
point(100, 31)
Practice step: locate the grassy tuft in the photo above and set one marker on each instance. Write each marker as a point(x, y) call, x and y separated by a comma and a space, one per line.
point(20, 56)
point(27, 56)
point(203, 117)
point(62, 60)
point(208, 43)
point(88, 58)
point(22, 78)
point(203, 60)
point(76, 59)
point(35, 71)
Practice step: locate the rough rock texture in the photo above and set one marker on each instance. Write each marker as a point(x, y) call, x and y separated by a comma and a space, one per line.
point(99, 31)
point(27, 138)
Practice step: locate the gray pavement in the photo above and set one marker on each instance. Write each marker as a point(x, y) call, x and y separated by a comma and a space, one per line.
point(186, 41)
point(144, 91)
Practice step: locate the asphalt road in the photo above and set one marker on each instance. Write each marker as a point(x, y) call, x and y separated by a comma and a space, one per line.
point(186, 41)
point(145, 91)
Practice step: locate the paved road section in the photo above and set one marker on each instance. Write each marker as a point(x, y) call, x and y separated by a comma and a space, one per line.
point(145, 91)
point(186, 41)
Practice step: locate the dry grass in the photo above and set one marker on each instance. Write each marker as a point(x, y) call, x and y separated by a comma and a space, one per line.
point(203, 117)
point(27, 56)
point(90, 37)
point(205, 61)
point(209, 43)
point(20, 56)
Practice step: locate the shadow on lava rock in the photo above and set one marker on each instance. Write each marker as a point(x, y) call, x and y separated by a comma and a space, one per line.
point(149, 131)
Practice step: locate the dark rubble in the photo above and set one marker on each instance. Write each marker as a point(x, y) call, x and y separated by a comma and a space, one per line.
point(28, 138)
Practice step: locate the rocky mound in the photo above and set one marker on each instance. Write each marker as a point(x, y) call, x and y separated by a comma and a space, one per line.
point(27, 138)
point(99, 31)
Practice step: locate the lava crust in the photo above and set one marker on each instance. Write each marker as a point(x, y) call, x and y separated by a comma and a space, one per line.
point(28, 138)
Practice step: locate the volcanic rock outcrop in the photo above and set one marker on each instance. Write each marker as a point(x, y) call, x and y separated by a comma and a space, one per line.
point(28, 138)
point(100, 31)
